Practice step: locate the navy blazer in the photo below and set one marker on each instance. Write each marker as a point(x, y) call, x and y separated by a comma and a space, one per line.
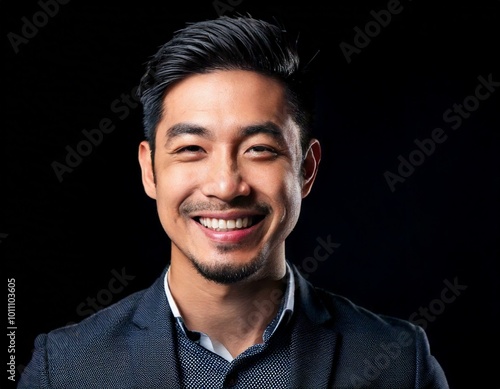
point(335, 344)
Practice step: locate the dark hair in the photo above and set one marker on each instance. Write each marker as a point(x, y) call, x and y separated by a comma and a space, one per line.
point(227, 43)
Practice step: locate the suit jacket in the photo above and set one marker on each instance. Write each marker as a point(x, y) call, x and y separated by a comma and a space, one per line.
point(335, 344)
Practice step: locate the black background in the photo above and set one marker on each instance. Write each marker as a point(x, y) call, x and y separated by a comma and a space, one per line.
point(62, 240)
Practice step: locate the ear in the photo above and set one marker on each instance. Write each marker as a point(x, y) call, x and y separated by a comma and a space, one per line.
point(310, 166)
point(147, 173)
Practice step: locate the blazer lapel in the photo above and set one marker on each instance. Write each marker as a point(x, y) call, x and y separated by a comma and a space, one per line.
point(314, 342)
point(153, 342)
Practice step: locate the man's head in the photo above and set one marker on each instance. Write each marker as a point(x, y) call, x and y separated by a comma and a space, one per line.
point(228, 156)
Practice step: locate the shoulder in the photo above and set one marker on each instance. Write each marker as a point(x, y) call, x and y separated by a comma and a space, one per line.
point(379, 349)
point(102, 341)
point(322, 305)
point(104, 332)
point(353, 320)
point(351, 315)
point(112, 318)
point(136, 310)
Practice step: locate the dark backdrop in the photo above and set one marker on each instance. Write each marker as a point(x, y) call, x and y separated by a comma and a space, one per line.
point(408, 232)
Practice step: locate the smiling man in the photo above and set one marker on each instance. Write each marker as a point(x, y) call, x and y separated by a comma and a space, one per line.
point(228, 158)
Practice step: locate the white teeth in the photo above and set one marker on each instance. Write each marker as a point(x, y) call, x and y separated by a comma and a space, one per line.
point(225, 225)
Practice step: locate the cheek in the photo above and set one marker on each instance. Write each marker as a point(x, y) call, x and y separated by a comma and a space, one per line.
point(294, 200)
point(173, 186)
point(283, 190)
point(292, 192)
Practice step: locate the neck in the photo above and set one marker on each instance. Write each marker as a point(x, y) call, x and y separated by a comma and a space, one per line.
point(236, 315)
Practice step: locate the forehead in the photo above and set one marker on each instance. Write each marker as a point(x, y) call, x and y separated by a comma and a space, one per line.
point(224, 100)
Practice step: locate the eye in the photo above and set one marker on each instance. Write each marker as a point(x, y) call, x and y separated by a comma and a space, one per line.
point(261, 149)
point(190, 149)
point(189, 153)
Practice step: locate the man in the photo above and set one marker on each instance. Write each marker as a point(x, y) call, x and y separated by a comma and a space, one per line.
point(228, 157)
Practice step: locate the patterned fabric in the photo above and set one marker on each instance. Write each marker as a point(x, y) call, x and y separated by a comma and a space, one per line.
point(265, 365)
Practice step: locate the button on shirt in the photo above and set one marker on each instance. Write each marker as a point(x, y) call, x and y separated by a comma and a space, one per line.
point(284, 313)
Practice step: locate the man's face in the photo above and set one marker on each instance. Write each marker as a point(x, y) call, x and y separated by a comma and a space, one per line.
point(229, 175)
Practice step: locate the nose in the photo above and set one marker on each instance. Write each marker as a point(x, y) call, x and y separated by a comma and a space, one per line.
point(223, 178)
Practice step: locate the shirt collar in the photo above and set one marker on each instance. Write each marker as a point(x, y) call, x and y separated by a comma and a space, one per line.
point(287, 307)
point(285, 311)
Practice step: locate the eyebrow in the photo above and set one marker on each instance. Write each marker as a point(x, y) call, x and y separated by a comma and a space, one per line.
point(268, 128)
point(187, 129)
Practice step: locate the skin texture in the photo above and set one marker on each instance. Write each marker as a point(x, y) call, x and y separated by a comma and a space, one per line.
point(227, 148)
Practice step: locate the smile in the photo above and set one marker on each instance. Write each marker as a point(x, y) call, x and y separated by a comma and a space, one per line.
point(216, 224)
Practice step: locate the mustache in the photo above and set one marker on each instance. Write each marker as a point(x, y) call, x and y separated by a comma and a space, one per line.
point(240, 205)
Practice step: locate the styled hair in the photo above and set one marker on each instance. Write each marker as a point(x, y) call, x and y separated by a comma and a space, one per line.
point(227, 43)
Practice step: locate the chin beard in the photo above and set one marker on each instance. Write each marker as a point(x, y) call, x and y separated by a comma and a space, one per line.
point(227, 274)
